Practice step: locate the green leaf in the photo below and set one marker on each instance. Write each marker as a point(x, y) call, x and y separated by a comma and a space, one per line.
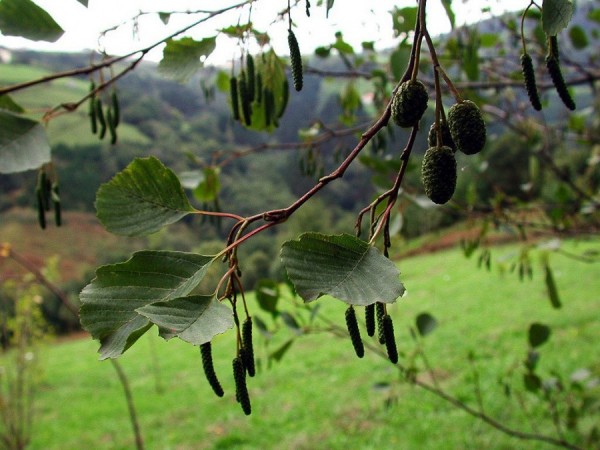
point(594, 15)
point(141, 199)
point(342, 266)
point(447, 4)
point(281, 351)
point(164, 17)
point(551, 288)
point(342, 46)
point(556, 15)
point(426, 323)
point(7, 103)
point(23, 143)
point(267, 295)
point(538, 334)
point(532, 382)
point(24, 18)
point(184, 57)
point(195, 319)
point(110, 301)
point(578, 37)
point(404, 19)
point(208, 189)
point(83, 2)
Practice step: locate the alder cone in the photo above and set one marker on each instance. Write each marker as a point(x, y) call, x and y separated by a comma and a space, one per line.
point(409, 103)
point(438, 173)
point(446, 136)
point(530, 84)
point(467, 127)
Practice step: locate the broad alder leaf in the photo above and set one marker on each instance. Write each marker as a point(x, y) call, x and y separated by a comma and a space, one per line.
point(23, 143)
point(342, 266)
point(195, 319)
point(184, 57)
point(24, 18)
point(141, 199)
point(556, 15)
point(110, 301)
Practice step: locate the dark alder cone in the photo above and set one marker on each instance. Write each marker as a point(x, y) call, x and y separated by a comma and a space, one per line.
point(438, 173)
point(379, 313)
point(295, 60)
point(209, 369)
point(446, 136)
point(352, 325)
point(248, 354)
point(370, 319)
point(553, 67)
point(530, 84)
point(233, 95)
point(241, 390)
point(116, 109)
point(467, 127)
point(409, 103)
point(390, 339)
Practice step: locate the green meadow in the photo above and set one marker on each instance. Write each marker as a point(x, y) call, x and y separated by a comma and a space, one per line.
point(321, 396)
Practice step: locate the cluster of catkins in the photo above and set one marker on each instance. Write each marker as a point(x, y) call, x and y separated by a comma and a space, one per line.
point(376, 319)
point(103, 119)
point(243, 364)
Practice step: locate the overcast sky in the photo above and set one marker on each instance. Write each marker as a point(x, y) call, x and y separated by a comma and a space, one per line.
point(359, 20)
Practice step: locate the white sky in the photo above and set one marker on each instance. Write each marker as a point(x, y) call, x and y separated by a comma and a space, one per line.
point(359, 20)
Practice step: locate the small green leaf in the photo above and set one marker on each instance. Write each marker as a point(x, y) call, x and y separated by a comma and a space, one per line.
point(551, 287)
point(426, 323)
point(538, 334)
point(404, 19)
point(291, 322)
point(195, 319)
point(83, 2)
point(110, 301)
point(208, 189)
point(556, 15)
point(323, 52)
point(23, 143)
point(141, 199)
point(281, 351)
point(24, 18)
point(184, 57)
point(164, 17)
point(447, 4)
point(267, 295)
point(342, 46)
point(594, 15)
point(578, 37)
point(7, 103)
point(342, 266)
point(532, 382)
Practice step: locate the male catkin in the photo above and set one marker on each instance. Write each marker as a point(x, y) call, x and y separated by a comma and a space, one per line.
point(530, 84)
point(354, 332)
point(370, 319)
point(295, 60)
point(233, 95)
point(379, 314)
point(241, 390)
point(209, 369)
point(248, 354)
point(553, 66)
point(390, 339)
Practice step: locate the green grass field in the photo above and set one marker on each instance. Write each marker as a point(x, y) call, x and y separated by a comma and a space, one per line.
point(320, 396)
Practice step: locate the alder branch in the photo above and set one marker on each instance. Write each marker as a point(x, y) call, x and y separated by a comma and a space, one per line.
point(111, 61)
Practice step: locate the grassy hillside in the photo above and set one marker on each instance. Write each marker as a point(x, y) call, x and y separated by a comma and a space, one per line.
point(321, 396)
